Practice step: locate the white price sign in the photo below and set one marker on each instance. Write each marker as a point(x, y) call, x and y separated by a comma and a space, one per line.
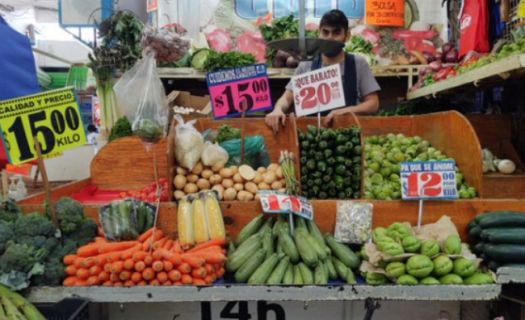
point(277, 202)
point(428, 180)
point(319, 90)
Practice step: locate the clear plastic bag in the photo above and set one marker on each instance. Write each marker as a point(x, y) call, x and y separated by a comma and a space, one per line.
point(255, 152)
point(141, 98)
point(213, 154)
point(353, 222)
point(189, 143)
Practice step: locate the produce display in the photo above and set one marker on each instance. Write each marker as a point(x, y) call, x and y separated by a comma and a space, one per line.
point(330, 163)
point(492, 164)
point(14, 307)
point(266, 251)
point(126, 219)
point(209, 60)
point(358, 45)
point(383, 157)
point(153, 259)
point(499, 238)
point(399, 255)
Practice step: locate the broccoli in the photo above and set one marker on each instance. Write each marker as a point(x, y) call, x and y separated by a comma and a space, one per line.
point(53, 275)
point(47, 244)
point(6, 234)
point(9, 211)
point(122, 128)
point(20, 257)
point(70, 214)
point(34, 224)
point(85, 233)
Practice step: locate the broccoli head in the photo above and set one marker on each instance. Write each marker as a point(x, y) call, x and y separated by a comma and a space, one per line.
point(34, 224)
point(9, 211)
point(53, 276)
point(47, 244)
point(20, 257)
point(86, 232)
point(70, 214)
point(6, 234)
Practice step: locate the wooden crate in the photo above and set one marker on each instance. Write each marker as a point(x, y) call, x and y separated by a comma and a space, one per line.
point(495, 133)
point(447, 131)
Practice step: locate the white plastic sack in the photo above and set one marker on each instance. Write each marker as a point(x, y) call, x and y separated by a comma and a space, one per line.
point(213, 154)
point(189, 143)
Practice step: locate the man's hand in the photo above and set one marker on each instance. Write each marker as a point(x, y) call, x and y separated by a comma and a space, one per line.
point(328, 119)
point(273, 119)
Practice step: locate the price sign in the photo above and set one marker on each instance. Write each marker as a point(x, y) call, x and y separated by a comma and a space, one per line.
point(53, 117)
point(319, 90)
point(241, 89)
point(277, 202)
point(428, 180)
point(385, 13)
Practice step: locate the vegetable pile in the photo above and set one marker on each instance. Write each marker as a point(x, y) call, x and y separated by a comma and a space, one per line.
point(266, 252)
point(14, 306)
point(330, 163)
point(360, 46)
point(406, 259)
point(383, 157)
point(126, 219)
point(492, 164)
point(153, 259)
point(149, 192)
point(499, 237)
point(168, 45)
point(209, 60)
point(121, 129)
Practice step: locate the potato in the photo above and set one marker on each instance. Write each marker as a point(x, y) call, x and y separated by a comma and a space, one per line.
point(217, 167)
point(227, 183)
point(220, 191)
point(234, 169)
point(178, 194)
point(258, 178)
point(179, 182)
point(244, 196)
point(283, 190)
point(193, 178)
point(237, 178)
point(238, 186)
point(251, 187)
point(226, 173)
point(279, 173)
point(203, 184)
point(263, 186)
point(246, 172)
point(276, 185)
point(215, 179)
point(272, 167)
point(182, 171)
point(230, 194)
point(206, 173)
point(269, 177)
point(257, 197)
point(190, 188)
point(197, 169)
point(261, 170)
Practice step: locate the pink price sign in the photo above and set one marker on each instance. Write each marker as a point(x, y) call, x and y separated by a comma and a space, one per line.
point(233, 91)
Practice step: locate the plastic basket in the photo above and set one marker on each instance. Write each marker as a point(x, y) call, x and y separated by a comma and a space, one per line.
point(67, 309)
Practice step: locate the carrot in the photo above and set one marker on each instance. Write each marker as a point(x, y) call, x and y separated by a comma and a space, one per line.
point(162, 277)
point(100, 239)
point(199, 282)
point(143, 237)
point(107, 283)
point(148, 274)
point(93, 281)
point(107, 267)
point(118, 284)
point(177, 283)
point(172, 257)
point(124, 275)
point(192, 260)
point(207, 244)
point(168, 265)
point(186, 279)
point(101, 259)
point(158, 266)
point(82, 273)
point(177, 247)
point(184, 268)
point(117, 266)
point(80, 283)
point(103, 276)
point(157, 254)
point(140, 266)
point(136, 277)
point(174, 275)
point(154, 282)
point(70, 270)
point(220, 272)
point(199, 273)
point(113, 257)
point(168, 245)
point(69, 259)
point(167, 283)
point(209, 268)
point(148, 260)
point(113, 277)
point(128, 253)
point(129, 283)
point(139, 255)
point(160, 243)
point(209, 279)
point(116, 246)
point(70, 281)
point(89, 250)
point(129, 264)
point(94, 270)
point(78, 261)
point(142, 283)
point(211, 257)
point(152, 239)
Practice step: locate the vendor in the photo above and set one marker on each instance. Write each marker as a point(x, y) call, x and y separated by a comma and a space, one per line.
point(360, 86)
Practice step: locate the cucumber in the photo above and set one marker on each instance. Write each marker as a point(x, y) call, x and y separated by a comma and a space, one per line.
point(297, 277)
point(475, 232)
point(501, 219)
point(504, 235)
point(140, 217)
point(307, 253)
point(343, 253)
point(249, 266)
point(288, 275)
point(479, 247)
point(288, 246)
point(278, 273)
point(243, 252)
point(320, 275)
point(267, 242)
point(472, 224)
point(306, 273)
point(264, 270)
point(505, 252)
point(340, 268)
point(332, 274)
point(249, 229)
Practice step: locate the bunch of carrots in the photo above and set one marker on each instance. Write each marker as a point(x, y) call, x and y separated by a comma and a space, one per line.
point(153, 259)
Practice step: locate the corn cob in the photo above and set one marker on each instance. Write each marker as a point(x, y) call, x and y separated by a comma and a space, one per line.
point(200, 225)
point(214, 215)
point(185, 223)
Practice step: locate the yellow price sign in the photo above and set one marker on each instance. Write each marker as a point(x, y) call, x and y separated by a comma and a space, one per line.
point(53, 117)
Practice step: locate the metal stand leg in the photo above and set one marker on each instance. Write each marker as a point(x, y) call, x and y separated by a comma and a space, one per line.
point(371, 306)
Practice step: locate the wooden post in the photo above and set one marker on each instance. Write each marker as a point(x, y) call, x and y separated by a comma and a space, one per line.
point(47, 187)
point(5, 185)
point(243, 120)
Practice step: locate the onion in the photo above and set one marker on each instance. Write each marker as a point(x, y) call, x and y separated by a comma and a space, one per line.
point(451, 56)
point(446, 48)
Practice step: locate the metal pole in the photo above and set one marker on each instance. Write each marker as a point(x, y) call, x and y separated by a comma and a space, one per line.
point(302, 22)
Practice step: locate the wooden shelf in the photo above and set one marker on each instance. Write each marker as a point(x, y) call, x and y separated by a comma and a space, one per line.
point(491, 73)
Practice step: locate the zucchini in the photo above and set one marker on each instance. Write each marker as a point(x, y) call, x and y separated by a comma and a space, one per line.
point(314, 231)
point(505, 252)
point(340, 268)
point(297, 277)
point(300, 223)
point(501, 219)
point(475, 232)
point(479, 247)
point(472, 224)
point(264, 270)
point(288, 275)
point(332, 274)
point(278, 273)
point(493, 265)
point(249, 229)
point(504, 235)
point(344, 253)
point(350, 277)
point(276, 227)
point(231, 248)
point(320, 274)
point(249, 266)
point(288, 246)
point(318, 248)
point(243, 252)
point(267, 242)
point(306, 273)
point(266, 226)
point(307, 253)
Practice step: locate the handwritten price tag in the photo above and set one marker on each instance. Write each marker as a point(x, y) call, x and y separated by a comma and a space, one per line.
point(53, 117)
point(238, 89)
point(428, 180)
point(281, 203)
point(319, 90)
point(385, 13)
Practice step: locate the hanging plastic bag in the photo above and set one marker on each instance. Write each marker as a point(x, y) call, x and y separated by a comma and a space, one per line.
point(189, 143)
point(213, 154)
point(353, 222)
point(142, 100)
point(255, 152)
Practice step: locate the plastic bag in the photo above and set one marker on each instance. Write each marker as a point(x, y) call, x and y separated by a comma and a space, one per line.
point(189, 143)
point(255, 152)
point(168, 45)
point(142, 100)
point(126, 219)
point(213, 154)
point(353, 222)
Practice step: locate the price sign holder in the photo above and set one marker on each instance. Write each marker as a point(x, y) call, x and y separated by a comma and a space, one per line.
point(47, 187)
point(428, 180)
point(274, 202)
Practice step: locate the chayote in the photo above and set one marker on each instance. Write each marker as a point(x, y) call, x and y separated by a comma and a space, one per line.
point(479, 278)
point(378, 233)
point(452, 244)
point(395, 269)
point(375, 279)
point(398, 231)
point(411, 244)
point(430, 248)
point(451, 279)
point(391, 248)
point(363, 254)
point(419, 266)
point(429, 281)
point(442, 265)
point(407, 280)
point(464, 267)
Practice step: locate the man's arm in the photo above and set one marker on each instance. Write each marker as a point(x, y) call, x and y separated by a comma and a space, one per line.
point(278, 115)
point(369, 105)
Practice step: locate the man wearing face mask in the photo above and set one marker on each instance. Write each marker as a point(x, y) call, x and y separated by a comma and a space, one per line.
point(360, 86)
